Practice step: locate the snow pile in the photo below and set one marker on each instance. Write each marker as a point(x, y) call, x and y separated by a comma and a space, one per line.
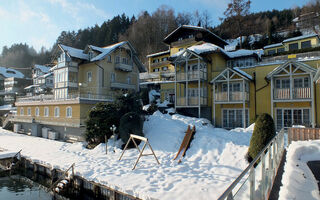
point(153, 95)
point(163, 104)
point(214, 160)
point(298, 181)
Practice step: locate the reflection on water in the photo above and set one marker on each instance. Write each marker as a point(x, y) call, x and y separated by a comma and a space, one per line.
point(17, 187)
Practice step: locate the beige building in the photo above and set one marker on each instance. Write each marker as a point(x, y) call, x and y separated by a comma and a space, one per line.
point(82, 78)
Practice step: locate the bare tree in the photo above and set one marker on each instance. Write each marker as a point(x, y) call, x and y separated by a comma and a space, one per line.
point(236, 10)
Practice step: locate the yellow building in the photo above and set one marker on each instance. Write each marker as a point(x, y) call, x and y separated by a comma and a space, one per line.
point(292, 44)
point(233, 88)
point(82, 78)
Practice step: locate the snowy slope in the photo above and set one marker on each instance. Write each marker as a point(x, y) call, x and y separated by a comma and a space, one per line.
point(214, 160)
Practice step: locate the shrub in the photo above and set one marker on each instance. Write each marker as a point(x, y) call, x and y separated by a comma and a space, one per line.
point(129, 102)
point(263, 132)
point(152, 108)
point(100, 118)
point(130, 123)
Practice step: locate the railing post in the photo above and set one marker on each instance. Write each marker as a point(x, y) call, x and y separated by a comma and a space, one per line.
point(252, 183)
point(263, 177)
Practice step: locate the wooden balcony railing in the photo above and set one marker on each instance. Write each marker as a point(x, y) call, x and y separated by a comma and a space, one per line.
point(181, 76)
point(233, 96)
point(191, 101)
point(297, 93)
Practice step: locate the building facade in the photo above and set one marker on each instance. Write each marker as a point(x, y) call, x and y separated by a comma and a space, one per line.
point(82, 78)
point(232, 88)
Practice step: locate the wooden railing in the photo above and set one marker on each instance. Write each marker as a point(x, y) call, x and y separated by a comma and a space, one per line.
point(181, 76)
point(300, 134)
point(191, 101)
point(297, 93)
point(234, 96)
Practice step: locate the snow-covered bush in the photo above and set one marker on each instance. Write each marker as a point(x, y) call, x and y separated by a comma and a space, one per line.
point(130, 123)
point(263, 132)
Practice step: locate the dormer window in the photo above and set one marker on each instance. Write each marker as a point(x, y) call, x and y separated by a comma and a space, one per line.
point(90, 55)
point(117, 59)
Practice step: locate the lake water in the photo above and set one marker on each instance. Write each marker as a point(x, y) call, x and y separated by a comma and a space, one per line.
point(17, 187)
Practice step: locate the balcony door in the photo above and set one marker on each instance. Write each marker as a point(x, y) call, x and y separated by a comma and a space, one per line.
point(232, 118)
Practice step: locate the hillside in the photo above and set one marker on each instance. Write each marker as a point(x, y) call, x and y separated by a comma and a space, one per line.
point(147, 30)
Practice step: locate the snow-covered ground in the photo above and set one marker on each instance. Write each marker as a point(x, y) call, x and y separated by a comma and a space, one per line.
point(298, 180)
point(214, 160)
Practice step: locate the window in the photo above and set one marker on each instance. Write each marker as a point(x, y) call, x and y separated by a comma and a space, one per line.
point(46, 112)
point(181, 49)
point(113, 77)
point(282, 83)
point(56, 112)
point(129, 80)
point(125, 60)
point(29, 111)
point(293, 46)
point(306, 44)
point(109, 58)
point(156, 70)
point(301, 82)
point(69, 112)
point(164, 59)
point(164, 68)
point(89, 76)
point(280, 50)
point(37, 111)
point(232, 118)
point(117, 59)
point(21, 111)
point(271, 52)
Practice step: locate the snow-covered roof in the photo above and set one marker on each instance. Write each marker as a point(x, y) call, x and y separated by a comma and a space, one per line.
point(46, 75)
point(208, 48)
point(73, 52)
point(9, 73)
point(159, 53)
point(180, 28)
point(243, 73)
point(272, 45)
point(42, 68)
point(233, 70)
point(105, 50)
point(31, 86)
point(300, 37)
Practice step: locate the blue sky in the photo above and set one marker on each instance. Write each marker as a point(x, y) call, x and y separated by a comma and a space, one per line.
point(39, 22)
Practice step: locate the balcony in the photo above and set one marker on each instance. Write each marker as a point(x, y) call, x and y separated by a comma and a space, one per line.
point(72, 96)
point(182, 76)
point(117, 85)
point(233, 97)
point(123, 67)
point(191, 101)
point(157, 64)
point(66, 84)
point(67, 64)
point(297, 94)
